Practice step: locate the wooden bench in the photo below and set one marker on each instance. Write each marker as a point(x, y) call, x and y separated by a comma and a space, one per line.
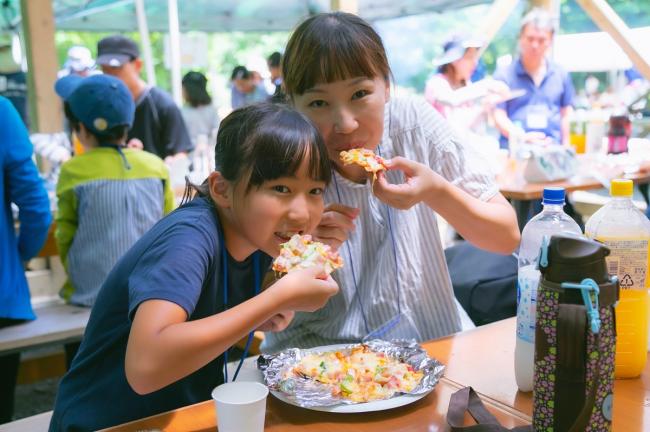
point(58, 323)
point(38, 422)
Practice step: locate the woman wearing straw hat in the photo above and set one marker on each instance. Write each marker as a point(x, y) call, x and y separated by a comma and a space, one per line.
point(451, 91)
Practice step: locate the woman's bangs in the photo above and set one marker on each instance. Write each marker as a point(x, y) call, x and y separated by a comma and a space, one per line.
point(338, 59)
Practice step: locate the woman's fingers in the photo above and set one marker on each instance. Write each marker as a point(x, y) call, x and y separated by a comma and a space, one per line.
point(400, 163)
point(350, 212)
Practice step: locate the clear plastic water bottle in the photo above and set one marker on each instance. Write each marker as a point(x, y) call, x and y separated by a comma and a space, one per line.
point(552, 220)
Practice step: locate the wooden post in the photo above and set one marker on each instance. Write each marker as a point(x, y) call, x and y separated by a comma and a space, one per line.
point(607, 20)
point(38, 28)
point(351, 6)
point(544, 4)
point(495, 19)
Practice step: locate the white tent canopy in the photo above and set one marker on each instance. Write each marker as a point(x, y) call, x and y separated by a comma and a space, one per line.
point(578, 53)
point(227, 15)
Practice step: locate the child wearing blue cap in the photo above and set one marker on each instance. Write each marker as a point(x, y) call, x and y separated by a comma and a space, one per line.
point(109, 196)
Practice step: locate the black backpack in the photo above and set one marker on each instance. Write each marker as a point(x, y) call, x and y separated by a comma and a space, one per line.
point(485, 283)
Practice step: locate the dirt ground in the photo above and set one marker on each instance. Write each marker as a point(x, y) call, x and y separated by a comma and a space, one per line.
point(32, 399)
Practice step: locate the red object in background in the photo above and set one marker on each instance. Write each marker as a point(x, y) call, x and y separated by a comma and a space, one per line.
point(620, 129)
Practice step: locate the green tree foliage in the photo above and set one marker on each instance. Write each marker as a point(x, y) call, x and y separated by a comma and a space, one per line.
point(635, 13)
point(227, 50)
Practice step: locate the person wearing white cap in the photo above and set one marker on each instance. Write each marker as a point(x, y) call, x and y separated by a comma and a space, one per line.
point(79, 62)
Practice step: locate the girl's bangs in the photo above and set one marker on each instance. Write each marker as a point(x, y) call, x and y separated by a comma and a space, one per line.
point(282, 148)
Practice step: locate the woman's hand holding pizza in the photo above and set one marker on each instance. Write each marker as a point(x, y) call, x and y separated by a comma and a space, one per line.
point(420, 183)
point(277, 322)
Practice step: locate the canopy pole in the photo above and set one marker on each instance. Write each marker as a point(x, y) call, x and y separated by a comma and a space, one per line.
point(350, 6)
point(497, 16)
point(606, 18)
point(175, 50)
point(143, 28)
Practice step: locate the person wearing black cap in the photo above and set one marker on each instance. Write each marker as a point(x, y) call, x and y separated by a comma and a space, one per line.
point(110, 195)
point(158, 121)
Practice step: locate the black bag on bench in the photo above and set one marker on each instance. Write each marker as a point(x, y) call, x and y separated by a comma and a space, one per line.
point(485, 283)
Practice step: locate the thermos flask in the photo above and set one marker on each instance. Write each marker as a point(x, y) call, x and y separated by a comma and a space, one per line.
point(575, 337)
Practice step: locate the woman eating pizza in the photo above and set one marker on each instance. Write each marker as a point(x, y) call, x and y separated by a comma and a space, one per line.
point(395, 282)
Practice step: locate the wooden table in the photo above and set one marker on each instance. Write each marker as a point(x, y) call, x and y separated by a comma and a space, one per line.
point(482, 358)
point(521, 193)
point(515, 188)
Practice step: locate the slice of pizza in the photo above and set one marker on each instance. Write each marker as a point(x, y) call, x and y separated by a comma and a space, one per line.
point(365, 158)
point(302, 252)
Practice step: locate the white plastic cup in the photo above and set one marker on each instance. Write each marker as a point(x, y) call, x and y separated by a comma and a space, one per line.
point(241, 406)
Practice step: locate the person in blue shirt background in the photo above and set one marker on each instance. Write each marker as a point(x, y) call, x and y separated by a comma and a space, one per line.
point(245, 90)
point(542, 113)
point(21, 185)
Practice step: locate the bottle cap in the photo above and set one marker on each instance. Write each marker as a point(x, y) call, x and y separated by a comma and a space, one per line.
point(621, 188)
point(572, 257)
point(553, 195)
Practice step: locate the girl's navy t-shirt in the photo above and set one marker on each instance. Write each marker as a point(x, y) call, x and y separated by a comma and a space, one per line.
point(178, 260)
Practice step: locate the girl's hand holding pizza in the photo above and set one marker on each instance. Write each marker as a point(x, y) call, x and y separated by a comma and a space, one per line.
point(305, 289)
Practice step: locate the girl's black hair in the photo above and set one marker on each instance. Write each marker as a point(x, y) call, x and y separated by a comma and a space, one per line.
point(264, 142)
point(195, 84)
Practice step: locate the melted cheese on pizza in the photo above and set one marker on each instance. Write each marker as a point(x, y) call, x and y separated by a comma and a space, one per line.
point(364, 158)
point(302, 252)
point(361, 376)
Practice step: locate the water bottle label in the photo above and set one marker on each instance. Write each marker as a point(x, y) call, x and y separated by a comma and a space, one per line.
point(526, 305)
point(629, 261)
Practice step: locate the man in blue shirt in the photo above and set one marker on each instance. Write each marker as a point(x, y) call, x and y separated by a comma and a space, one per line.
point(542, 113)
point(19, 184)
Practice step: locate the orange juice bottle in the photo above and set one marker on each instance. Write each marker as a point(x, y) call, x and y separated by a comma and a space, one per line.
point(577, 132)
point(626, 231)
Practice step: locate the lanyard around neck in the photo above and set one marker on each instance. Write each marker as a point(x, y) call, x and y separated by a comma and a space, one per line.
point(351, 262)
point(257, 277)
